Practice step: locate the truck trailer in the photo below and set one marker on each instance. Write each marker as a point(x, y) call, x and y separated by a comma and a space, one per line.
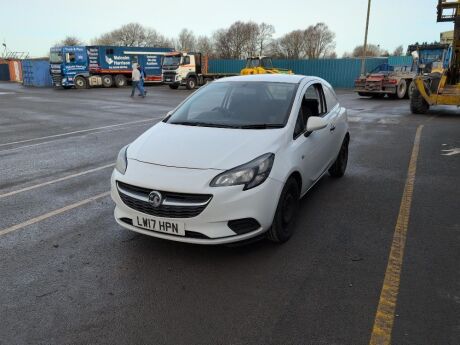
point(88, 66)
point(188, 69)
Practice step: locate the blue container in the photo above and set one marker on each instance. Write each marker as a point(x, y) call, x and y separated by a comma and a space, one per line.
point(36, 73)
point(4, 72)
point(400, 60)
point(339, 73)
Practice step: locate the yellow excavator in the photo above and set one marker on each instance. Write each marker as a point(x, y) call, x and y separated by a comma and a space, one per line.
point(441, 86)
point(262, 65)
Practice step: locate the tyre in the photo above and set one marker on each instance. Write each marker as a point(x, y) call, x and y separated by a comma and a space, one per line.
point(107, 80)
point(174, 86)
point(340, 165)
point(401, 89)
point(418, 105)
point(410, 89)
point(120, 80)
point(364, 94)
point(81, 83)
point(190, 84)
point(286, 213)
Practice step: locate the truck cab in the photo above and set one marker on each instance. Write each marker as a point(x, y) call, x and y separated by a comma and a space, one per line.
point(66, 63)
point(182, 68)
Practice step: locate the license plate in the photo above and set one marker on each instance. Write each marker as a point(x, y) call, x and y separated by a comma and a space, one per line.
point(168, 79)
point(158, 225)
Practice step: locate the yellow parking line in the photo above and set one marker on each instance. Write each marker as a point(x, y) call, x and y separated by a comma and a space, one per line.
point(54, 181)
point(52, 213)
point(384, 318)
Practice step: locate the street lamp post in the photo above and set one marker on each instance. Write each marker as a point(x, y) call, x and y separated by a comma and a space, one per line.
point(363, 61)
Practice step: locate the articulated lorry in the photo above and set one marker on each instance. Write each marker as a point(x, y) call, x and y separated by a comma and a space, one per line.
point(188, 69)
point(88, 66)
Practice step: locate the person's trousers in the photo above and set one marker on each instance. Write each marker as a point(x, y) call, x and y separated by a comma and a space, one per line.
point(136, 85)
point(141, 87)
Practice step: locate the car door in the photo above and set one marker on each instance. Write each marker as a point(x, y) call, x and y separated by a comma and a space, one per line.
point(310, 148)
point(337, 125)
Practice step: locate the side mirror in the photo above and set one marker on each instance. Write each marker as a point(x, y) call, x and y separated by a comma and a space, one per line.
point(315, 123)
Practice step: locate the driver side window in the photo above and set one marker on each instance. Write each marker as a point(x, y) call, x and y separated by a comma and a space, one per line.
point(313, 104)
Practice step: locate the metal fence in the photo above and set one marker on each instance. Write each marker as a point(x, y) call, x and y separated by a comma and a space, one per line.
point(340, 73)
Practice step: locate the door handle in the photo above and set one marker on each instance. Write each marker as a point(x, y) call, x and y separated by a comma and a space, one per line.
point(332, 127)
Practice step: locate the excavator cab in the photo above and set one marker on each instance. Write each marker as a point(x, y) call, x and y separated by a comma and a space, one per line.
point(439, 85)
point(262, 65)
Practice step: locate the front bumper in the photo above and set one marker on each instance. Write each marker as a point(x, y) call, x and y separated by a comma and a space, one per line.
point(227, 203)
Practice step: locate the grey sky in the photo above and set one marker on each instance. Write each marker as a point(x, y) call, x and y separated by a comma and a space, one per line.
point(36, 25)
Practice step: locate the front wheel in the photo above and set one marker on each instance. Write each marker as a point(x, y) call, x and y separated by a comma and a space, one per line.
point(340, 165)
point(81, 83)
point(190, 84)
point(286, 213)
point(418, 105)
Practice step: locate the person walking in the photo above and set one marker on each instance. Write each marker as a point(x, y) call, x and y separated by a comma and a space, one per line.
point(142, 80)
point(135, 79)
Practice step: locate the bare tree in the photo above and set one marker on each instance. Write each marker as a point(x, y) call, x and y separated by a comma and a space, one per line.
point(222, 46)
point(319, 41)
point(70, 41)
point(292, 45)
point(264, 38)
point(371, 50)
point(398, 51)
point(133, 35)
point(251, 32)
point(186, 40)
point(238, 36)
point(204, 45)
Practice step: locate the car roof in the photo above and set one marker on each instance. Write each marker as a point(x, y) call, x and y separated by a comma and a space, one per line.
point(279, 78)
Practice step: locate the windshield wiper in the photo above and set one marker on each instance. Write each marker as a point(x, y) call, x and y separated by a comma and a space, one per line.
point(262, 126)
point(203, 124)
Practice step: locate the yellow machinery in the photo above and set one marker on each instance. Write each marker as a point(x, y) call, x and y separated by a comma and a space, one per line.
point(262, 65)
point(441, 86)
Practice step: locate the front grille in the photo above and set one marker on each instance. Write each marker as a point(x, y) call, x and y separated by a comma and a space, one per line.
point(174, 205)
point(57, 79)
point(169, 75)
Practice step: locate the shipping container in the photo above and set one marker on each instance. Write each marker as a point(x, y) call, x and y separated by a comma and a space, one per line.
point(339, 73)
point(4, 70)
point(15, 70)
point(36, 72)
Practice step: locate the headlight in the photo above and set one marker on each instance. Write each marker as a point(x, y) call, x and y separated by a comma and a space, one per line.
point(250, 174)
point(122, 160)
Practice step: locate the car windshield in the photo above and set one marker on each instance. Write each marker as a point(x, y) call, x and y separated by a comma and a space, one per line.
point(55, 57)
point(171, 60)
point(235, 104)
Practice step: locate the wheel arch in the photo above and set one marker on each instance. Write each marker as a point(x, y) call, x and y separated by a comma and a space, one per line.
point(297, 177)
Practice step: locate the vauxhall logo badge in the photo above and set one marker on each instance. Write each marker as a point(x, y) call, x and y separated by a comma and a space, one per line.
point(155, 198)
